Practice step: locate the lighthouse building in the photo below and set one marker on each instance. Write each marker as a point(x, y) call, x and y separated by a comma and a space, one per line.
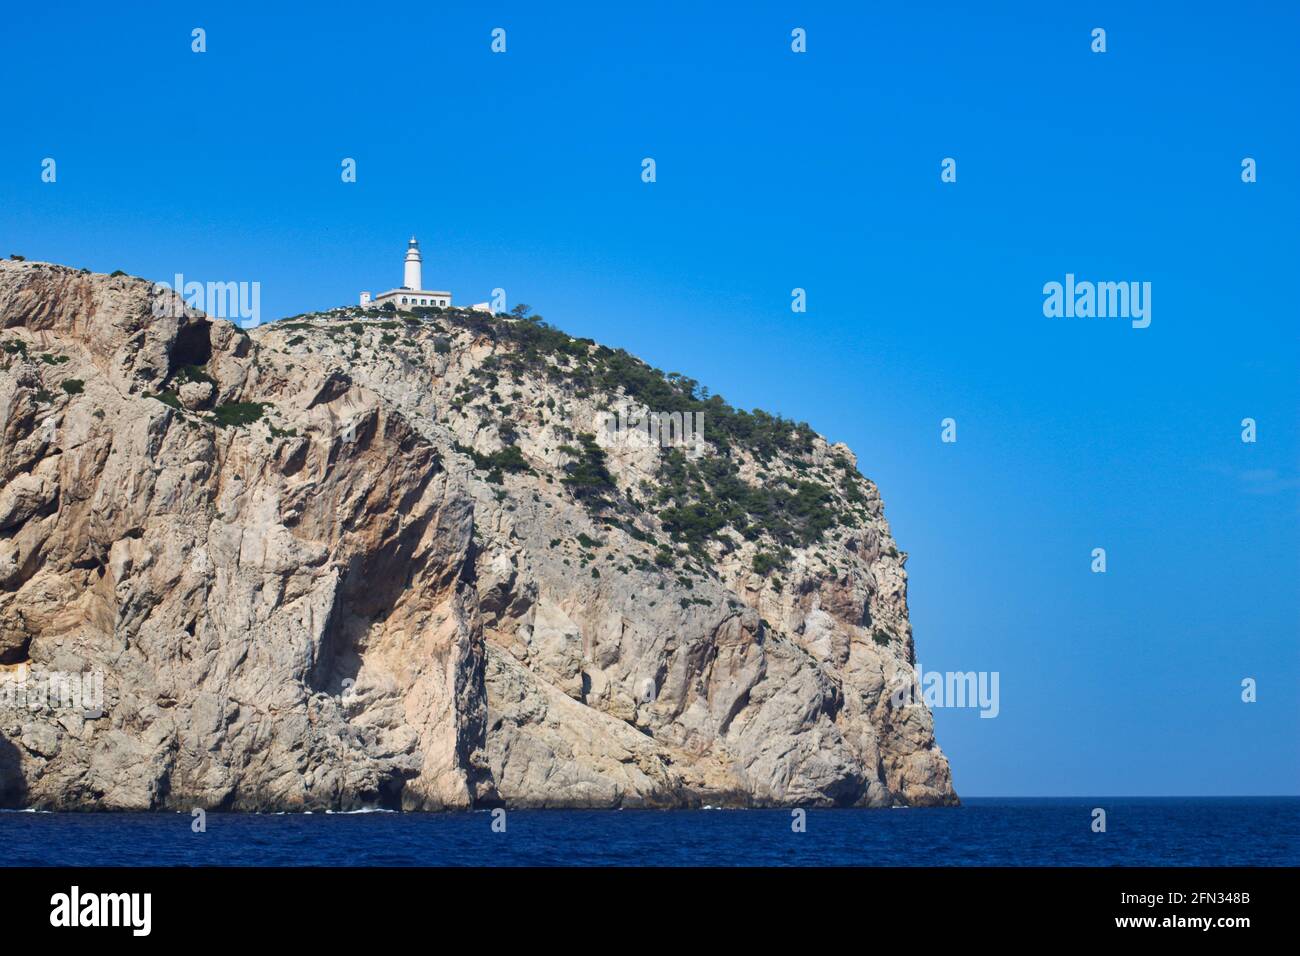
point(412, 294)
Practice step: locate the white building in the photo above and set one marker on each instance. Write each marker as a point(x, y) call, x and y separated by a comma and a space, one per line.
point(411, 294)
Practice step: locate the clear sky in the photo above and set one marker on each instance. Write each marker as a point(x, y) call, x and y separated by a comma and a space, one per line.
point(820, 170)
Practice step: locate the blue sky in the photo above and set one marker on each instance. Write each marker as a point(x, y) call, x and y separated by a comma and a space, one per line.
point(819, 171)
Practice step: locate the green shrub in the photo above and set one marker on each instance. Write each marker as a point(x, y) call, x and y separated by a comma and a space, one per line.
point(74, 386)
point(708, 495)
point(588, 477)
point(237, 413)
point(192, 373)
point(509, 459)
point(705, 498)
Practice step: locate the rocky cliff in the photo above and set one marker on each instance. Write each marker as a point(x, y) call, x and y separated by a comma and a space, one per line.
point(360, 558)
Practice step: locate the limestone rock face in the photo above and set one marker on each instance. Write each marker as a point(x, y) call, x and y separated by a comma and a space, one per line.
point(362, 559)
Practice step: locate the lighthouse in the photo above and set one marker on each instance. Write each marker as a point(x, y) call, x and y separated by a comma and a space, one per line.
point(411, 295)
point(411, 278)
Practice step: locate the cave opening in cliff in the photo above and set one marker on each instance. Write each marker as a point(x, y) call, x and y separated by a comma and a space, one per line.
point(193, 346)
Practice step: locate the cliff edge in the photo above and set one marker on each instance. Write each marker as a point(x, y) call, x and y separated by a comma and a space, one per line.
point(367, 559)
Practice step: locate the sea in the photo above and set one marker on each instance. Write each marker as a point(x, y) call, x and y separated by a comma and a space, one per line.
point(1064, 831)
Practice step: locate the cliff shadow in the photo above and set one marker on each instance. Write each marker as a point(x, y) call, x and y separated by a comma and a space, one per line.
point(376, 583)
point(13, 786)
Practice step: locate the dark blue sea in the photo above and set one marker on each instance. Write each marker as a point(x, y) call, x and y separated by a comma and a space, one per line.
point(1246, 831)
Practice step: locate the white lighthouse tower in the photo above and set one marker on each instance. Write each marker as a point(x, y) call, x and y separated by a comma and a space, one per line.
point(410, 295)
point(411, 278)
